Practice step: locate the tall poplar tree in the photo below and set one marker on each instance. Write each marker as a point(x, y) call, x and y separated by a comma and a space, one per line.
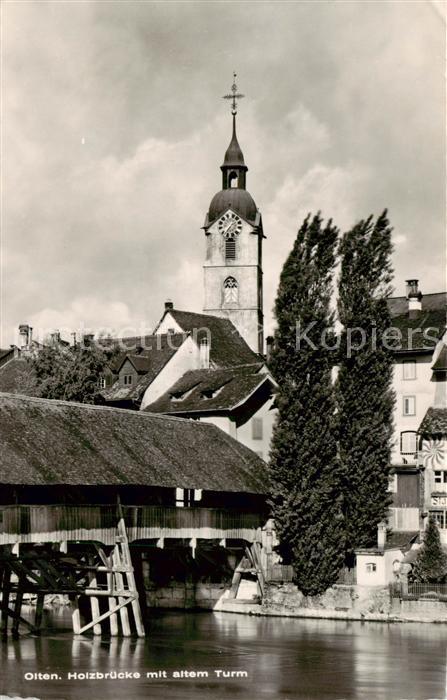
point(365, 397)
point(305, 483)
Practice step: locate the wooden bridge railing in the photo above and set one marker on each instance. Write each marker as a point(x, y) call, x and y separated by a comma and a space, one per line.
point(25, 521)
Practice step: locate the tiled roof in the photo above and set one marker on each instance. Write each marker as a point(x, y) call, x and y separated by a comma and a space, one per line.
point(17, 377)
point(421, 332)
point(441, 361)
point(403, 539)
point(57, 442)
point(158, 350)
point(434, 422)
point(431, 320)
point(205, 390)
point(228, 348)
point(430, 302)
point(6, 352)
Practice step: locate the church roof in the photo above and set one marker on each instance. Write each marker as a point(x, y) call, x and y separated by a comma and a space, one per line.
point(206, 390)
point(239, 200)
point(228, 348)
point(59, 442)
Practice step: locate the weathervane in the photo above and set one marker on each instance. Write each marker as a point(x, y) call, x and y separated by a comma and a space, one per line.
point(234, 96)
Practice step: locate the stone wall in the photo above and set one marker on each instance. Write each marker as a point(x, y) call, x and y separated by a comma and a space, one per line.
point(186, 595)
point(345, 599)
point(350, 602)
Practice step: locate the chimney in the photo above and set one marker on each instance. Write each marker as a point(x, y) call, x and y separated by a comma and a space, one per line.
point(269, 347)
point(88, 339)
point(73, 339)
point(169, 304)
point(55, 337)
point(204, 354)
point(414, 297)
point(25, 333)
point(381, 535)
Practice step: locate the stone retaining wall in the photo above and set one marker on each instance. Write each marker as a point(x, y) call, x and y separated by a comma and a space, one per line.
point(186, 595)
point(350, 602)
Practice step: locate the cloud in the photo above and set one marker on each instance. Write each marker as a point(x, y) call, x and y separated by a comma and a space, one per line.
point(114, 131)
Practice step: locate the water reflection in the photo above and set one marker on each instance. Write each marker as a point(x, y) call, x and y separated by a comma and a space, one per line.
point(285, 659)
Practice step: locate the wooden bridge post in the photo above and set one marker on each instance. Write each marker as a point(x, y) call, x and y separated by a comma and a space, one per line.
point(39, 610)
point(75, 614)
point(6, 587)
point(124, 615)
point(94, 603)
point(17, 611)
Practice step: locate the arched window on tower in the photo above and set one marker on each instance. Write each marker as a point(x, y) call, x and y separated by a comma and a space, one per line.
point(231, 291)
point(233, 179)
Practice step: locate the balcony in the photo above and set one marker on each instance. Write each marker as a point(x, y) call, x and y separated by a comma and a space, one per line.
point(56, 523)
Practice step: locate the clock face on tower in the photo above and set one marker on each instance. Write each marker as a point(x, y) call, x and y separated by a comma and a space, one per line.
point(230, 225)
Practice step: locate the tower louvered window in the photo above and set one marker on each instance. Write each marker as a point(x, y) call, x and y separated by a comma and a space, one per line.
point(230, 249)
point(231, 291)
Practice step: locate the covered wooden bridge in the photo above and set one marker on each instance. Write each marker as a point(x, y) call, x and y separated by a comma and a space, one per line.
point(86, 489)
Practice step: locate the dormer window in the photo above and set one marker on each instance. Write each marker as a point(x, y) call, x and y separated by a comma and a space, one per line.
point(183, 394)
point(127, 379)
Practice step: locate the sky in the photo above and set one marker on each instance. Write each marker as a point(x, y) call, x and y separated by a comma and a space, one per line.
point(114, 130)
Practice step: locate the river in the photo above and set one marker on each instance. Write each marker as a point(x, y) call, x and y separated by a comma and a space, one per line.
point(267, 658)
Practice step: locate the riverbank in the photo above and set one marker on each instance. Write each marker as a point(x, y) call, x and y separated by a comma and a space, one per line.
point(342, 602)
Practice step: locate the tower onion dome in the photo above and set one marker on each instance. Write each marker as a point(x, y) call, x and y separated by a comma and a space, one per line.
point(233, 194)
point(240, 201)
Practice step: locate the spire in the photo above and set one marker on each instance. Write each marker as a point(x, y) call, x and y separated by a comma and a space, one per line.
point(234, 167)
point(233, 154)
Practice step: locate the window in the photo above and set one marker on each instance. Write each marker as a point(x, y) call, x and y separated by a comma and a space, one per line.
point(256, 428)
point(371, 568)
point(233, 179)
point(102, 382)
point(230, 249)
point(409, 369)
point(184, 497)
point(409, 405)
point(408, 442)
point(231, 291)
point(439, 516)
point(392, 483)
point(127, 379)
point(441, 477)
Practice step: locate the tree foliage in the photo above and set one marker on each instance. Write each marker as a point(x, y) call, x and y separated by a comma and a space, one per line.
point(305, 480)
point(364, 395)
point(71, 373)
point(430, 565)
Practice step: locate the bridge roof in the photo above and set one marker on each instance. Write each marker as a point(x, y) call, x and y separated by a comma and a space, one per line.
point(59, 442)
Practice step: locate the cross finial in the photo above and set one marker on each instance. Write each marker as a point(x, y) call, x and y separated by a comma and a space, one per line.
point(234, 96)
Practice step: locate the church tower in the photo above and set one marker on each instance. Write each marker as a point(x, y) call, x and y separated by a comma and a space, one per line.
point(233, 232)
